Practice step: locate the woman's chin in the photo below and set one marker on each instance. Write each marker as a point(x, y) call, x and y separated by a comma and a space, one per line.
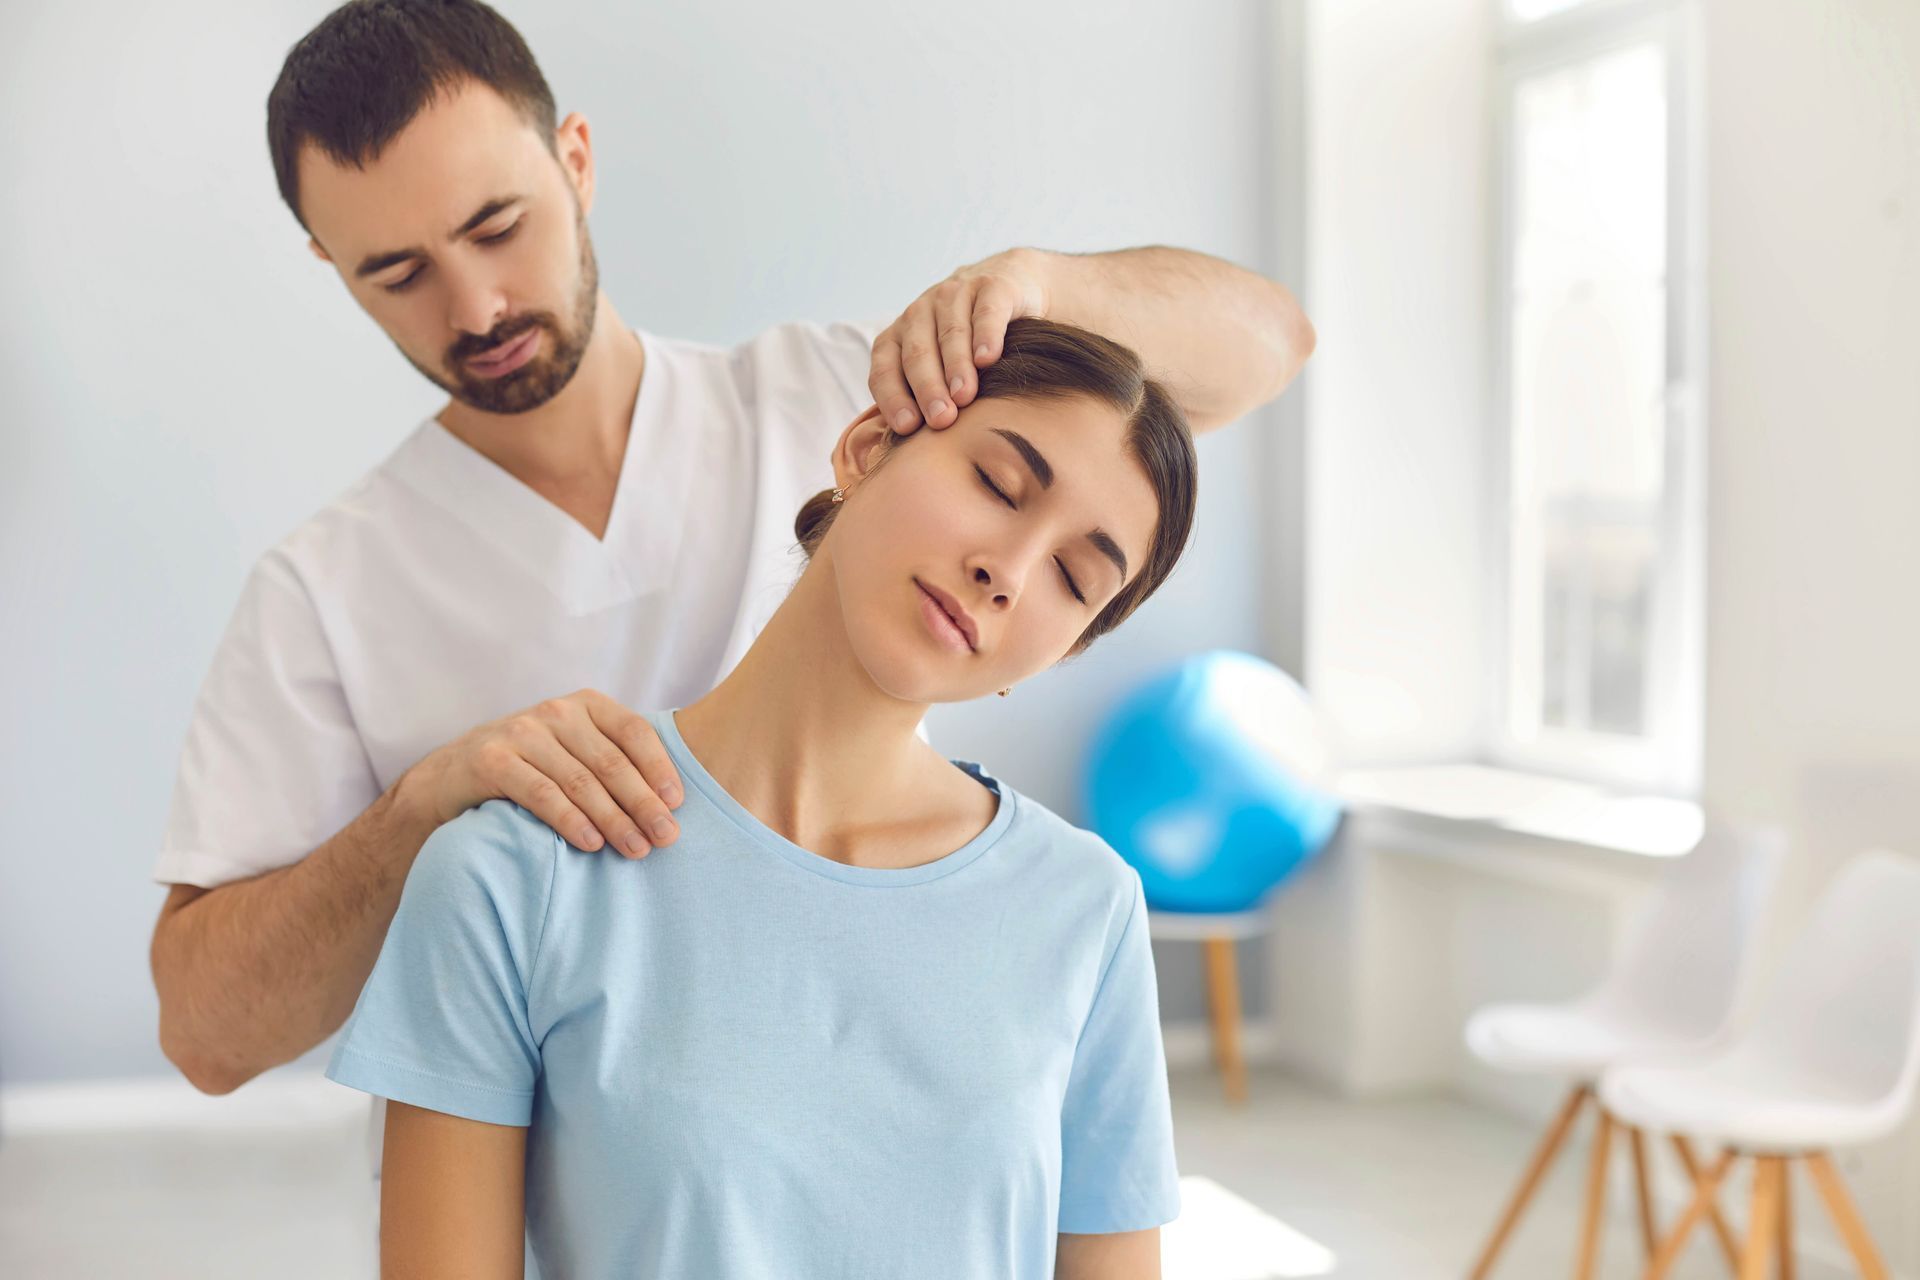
point(925, 677)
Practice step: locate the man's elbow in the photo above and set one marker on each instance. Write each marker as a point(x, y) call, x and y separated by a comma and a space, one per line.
point(207, 1077)
point(1297, 341)
point(206, 1072)
point(1304, 338)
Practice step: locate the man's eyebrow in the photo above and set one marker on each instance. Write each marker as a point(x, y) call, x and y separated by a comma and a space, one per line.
point(377, 262)
point(1043, 472)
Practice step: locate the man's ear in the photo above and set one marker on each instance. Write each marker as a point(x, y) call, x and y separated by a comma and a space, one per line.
point(573, 144)
point(318, 252)
point(860, 447)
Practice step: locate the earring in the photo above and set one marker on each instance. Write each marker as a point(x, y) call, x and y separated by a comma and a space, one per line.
point(1005, 692)
point(839, 494)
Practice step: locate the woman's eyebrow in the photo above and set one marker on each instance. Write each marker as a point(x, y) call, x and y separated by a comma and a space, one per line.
point(1035, 460)
point(1043, 472)
point(1111, 549)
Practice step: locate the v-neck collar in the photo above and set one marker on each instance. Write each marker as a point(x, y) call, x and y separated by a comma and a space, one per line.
point(586, 573)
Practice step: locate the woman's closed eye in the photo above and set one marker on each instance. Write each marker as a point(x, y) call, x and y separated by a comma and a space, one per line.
point(1000, 493)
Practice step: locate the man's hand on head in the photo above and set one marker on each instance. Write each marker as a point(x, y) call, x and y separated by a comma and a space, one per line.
point(924, 363)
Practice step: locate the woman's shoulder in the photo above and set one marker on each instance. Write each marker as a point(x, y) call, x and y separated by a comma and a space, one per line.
point(497, 847)
point(1081, 853)
point(498, 822)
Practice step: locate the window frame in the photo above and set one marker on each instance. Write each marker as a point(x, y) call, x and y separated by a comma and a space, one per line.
point(1666, 759)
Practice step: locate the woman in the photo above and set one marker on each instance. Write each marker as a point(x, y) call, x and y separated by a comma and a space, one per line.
point(874, 1013)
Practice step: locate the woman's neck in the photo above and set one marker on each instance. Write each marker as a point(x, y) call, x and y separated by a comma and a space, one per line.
point(802, 738)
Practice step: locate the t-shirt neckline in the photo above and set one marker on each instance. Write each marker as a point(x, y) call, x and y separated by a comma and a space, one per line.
point(694, 773)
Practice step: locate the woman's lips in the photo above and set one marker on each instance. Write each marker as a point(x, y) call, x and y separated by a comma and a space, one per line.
point(944, 628)
point(506, 359)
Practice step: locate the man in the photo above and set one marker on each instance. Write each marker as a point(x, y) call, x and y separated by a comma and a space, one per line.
point(596, 508)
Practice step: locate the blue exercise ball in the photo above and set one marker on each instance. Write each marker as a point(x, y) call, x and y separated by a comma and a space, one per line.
point(1214, 781)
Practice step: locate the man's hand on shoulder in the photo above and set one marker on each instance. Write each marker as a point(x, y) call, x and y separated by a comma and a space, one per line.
point(924, 363)
point(588, 767)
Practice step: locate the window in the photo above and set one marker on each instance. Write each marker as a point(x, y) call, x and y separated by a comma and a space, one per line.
point(1596, 376)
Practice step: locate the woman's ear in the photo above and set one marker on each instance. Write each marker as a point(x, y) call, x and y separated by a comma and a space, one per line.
point(860, 447)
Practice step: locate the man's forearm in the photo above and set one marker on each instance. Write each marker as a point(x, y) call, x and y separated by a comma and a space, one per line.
point(1224, 339)
point(256, 972)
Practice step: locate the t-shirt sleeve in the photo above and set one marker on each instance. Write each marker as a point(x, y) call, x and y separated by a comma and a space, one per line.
point(273, 764)
point(447, 1018)
point(1117, 1166)
point(845, 352)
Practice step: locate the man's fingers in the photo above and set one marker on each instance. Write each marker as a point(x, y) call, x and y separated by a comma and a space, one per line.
point(954, 311)
point(582, 786)
point(888, 382)
point(622, 774)
point(992, 312)
point(635, 735)
point(920, 358)
point(541, 796)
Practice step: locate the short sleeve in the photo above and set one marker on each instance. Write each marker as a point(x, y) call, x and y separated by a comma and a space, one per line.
point(845, 351)
point(1117, 1168)
point(445, 1019)
point(273, 764)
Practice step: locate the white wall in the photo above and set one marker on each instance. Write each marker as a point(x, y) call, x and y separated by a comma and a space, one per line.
point(1814, 448)
point(185, 382)
point(1813, 618)
point(1396, 405)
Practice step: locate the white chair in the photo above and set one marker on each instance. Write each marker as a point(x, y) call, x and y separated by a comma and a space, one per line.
point(1831, 1060)
point(1684, 973)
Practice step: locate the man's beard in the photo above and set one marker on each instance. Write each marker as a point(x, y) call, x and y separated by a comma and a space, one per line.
point(541, 378)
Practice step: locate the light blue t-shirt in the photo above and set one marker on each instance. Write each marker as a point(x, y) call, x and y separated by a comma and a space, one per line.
point(742, 1059)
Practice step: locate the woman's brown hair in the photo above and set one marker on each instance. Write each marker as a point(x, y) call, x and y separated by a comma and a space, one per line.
point(1047, 360)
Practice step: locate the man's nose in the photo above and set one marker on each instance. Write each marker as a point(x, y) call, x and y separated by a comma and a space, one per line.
point(475, 305)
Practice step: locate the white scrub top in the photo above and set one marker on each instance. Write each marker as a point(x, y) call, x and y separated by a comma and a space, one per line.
point(439, 592)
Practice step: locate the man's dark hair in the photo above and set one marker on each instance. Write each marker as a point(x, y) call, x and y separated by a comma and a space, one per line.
point(356, 80)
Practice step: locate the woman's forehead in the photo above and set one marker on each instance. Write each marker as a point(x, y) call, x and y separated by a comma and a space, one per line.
point(1073, 425)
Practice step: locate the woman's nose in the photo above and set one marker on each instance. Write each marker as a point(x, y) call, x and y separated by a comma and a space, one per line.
point(1002, 582)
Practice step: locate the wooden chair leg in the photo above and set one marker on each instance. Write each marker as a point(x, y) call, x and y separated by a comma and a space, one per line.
point(1721, 1230)
point(1706, 1187)
point(1827, 1179)
point(1760, 1222)
point(1784, 1242)
point(1223, 998)
point(1649, 1234)
point(1589, 1257)
point(1536, 1169)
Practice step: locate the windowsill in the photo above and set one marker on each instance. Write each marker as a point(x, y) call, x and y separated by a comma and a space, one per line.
point(1464, 799)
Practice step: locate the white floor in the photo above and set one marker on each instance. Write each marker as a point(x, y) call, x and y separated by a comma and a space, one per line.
point(1405, 1190)
point(1296, 1184)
